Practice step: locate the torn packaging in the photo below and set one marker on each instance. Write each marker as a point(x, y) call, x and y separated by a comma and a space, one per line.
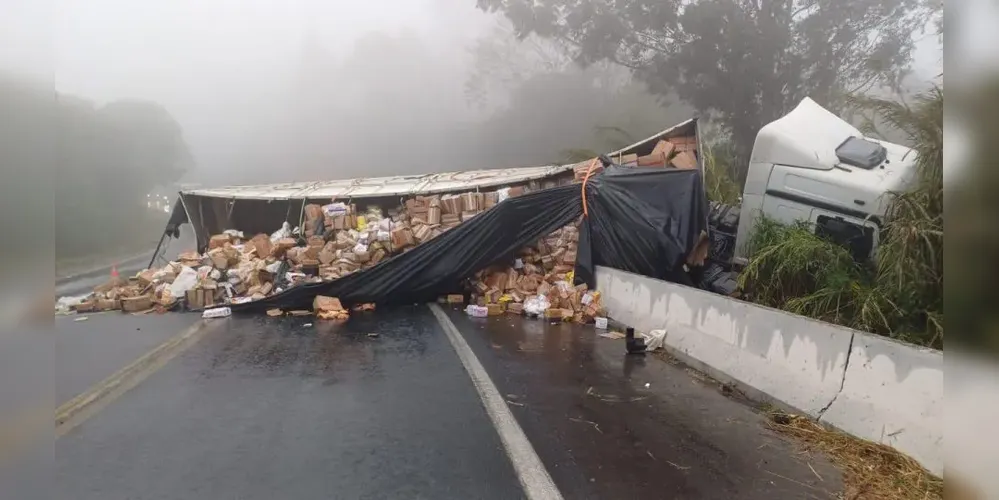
point(644, 221)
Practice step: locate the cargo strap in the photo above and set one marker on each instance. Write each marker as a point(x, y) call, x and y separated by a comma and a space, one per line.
point(585, 180)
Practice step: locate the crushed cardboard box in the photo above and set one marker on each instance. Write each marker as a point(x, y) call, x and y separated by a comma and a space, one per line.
point(329, 308)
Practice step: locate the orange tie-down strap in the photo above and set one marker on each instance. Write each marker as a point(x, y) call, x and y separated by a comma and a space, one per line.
point(585, 180)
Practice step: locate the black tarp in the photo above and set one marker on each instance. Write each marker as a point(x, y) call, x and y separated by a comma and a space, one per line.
point(641, 220)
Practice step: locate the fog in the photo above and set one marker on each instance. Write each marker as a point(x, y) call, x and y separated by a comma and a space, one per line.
point(250, 81)
point(150, 95)
point(268, 91)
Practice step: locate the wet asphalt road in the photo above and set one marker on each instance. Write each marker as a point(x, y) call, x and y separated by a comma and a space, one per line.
point(265, 408)
point(87, 352)
point(274, 409)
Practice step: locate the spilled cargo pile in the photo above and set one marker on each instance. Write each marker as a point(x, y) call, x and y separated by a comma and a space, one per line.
point(338, 240)
point(521, 257)
point(539, 282)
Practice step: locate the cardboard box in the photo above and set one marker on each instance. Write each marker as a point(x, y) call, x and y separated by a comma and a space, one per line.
point(324, 303)
point(663, 148)
point(219, 259)
point(195, 298)
point(451, 205)
point(469, 202)
point(261, 243)
point(455, 299)
point(402, 237)
point(494, 309)
point(652, 160)
point(329, 308)
point(136, 304)
point(553, 313)
point(145, 278)
point(684, 161)
point(218, 241)
point(434, 215)
point(421, 233)
point(490, 200)
point(85, 306)
point(569, 257)
point(515, 308)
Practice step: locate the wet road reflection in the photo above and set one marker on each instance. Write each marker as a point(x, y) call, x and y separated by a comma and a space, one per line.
point(603, 433)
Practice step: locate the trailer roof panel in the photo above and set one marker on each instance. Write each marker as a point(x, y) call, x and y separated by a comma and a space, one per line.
point(373, 187)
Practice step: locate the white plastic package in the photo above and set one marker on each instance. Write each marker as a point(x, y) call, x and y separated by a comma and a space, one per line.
point(64, 304)
point(184, 281)
point(503, 194)
point(273, 267)
point(284, 232)
point(477, 311)
point(360, 248)
point(334, 209)
point(655, 339)
point(218, 312)
point(536, 305)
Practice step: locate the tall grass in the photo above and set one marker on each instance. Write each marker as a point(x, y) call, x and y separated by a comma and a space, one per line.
point(793, 269)
point(900, 293)
point(718, 182)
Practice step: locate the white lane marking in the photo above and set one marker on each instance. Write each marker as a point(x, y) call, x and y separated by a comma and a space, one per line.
point(531, 473)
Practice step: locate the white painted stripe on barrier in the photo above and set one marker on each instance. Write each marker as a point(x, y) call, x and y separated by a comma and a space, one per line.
point(531, 472)
point(869, 386)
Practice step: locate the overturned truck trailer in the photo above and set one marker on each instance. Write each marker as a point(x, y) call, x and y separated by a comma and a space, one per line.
point(638, 209)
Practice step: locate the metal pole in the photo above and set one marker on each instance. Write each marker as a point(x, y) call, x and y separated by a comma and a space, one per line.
point(157, 251)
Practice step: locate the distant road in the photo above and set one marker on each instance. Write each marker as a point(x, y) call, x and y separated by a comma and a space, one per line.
point(83, 281)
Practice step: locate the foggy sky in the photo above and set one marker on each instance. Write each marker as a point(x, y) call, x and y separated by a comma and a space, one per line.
point(228, 69)
point(222, 66)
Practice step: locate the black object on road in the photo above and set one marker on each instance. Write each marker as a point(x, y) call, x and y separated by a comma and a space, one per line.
point(634, 345)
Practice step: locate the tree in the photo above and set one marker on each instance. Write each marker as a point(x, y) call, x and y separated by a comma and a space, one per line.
point(746, 62)
point(107, 159)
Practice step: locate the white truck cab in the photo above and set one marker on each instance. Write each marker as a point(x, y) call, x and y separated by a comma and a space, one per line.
point(811, 165)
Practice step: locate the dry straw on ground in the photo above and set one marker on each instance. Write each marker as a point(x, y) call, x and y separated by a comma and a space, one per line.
point(871, 471)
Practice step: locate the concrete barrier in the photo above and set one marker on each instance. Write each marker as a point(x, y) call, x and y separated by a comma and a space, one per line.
point(868, 386)
point(893, 394)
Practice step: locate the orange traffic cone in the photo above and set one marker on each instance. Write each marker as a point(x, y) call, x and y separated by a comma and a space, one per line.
point(114, 271)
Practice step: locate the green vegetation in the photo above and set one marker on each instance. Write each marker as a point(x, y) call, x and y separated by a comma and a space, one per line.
point(719, 184)
point(900, 294)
